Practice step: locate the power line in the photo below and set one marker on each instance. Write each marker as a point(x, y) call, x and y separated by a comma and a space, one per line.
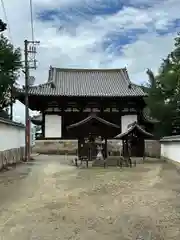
point(6, 19)
point(32, 22)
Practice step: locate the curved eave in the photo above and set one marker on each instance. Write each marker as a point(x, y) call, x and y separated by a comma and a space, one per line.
point(50, 89)
point(37, 119)
point(146, 134)
point(36, 122)
point(90, 118)
point(39, 89)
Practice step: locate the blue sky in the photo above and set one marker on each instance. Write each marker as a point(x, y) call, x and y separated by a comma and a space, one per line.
point(71, 18)
point(112, 28)
point(135, 34)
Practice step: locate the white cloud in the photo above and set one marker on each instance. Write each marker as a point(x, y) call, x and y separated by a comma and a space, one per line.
point(59, 48)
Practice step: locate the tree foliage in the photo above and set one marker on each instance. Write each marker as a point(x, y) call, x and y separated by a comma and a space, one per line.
point(164, 93)
point(10, 65)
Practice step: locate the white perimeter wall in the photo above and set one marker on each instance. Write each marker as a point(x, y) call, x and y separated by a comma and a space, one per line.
point(53, 126)
point(126, 120)
point(170, 148)
point(11, 136)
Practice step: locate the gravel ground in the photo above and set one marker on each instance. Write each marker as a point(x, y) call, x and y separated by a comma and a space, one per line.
point(47, 199)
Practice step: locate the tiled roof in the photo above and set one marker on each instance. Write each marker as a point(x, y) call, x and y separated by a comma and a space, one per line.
point(12, 123)
point(37, 119)
point(131, 128)
point(175, 138)
point(87, 82)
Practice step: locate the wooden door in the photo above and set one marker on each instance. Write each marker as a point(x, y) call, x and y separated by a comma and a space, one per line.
point(137, 148)
point(87, 149)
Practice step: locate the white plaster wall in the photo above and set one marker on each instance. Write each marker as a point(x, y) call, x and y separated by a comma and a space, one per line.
point(11, 137)
point(126, 120)
point(171, 150)
point(53, 126)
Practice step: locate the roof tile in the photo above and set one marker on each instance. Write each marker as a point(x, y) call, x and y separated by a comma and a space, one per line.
point(88, 82)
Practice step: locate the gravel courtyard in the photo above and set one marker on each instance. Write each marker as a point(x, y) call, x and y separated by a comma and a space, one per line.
point(49, 200)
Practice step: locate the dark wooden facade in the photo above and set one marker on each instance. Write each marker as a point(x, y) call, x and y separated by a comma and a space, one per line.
point(90, 129)
point(134, 138)
point(76, 93)
point(74, 110)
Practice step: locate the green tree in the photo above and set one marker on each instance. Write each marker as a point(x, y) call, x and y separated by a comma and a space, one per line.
point(155, 102)
point(164, 93)
point(10, 65)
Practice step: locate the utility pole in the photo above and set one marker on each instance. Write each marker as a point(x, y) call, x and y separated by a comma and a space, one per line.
point(26, 71)
point(29, 63)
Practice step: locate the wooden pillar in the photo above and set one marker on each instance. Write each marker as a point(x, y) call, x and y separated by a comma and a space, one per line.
point(105, 149)
point(90, 152)
point(79, 147)
point(43, 124)
point(64, 132)
point(123, 148)
point(144, 150)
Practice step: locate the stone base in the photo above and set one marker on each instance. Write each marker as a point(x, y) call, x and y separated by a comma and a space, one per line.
point(11, 157)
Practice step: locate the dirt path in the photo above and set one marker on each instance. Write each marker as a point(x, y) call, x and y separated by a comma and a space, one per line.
point(25, 189)
point(49, 200)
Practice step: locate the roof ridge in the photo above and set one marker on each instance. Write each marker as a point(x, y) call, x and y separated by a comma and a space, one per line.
point(126, 77)
point(89, 69)
point(50, 83)
point(52, 74)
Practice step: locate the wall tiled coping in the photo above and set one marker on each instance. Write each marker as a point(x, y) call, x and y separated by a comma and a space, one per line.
point(175, 138)
point(12, 123)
